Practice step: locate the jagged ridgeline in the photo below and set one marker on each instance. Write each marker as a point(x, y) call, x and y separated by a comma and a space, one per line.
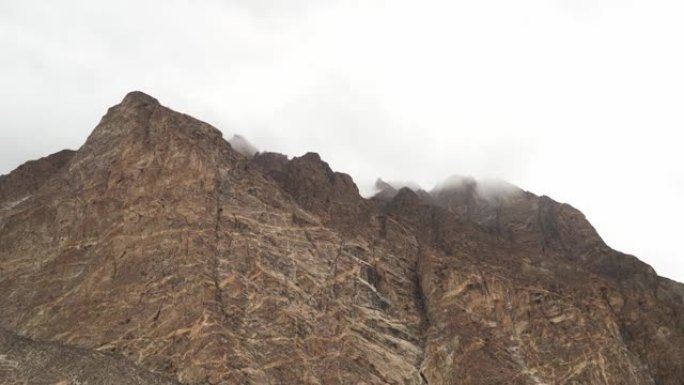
point(157, 253)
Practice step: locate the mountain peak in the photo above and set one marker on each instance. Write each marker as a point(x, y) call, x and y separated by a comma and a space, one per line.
point(140, 118)
point(138, 98)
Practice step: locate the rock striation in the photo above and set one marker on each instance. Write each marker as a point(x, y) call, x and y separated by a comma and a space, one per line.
point(157, 252)
point(30, 362)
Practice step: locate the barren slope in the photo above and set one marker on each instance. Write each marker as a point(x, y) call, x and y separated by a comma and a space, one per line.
point(157, 243)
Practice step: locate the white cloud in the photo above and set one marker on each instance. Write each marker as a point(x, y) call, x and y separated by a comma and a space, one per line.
point(577, 99)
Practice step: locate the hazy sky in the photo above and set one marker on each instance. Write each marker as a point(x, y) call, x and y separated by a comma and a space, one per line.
point(581, 100)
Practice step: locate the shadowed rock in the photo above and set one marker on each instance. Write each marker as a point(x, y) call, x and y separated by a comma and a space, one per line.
point(23, 361)
point(30, 176)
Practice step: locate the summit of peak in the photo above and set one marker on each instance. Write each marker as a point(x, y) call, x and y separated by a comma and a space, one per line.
point(140, 127)
point(139, 98)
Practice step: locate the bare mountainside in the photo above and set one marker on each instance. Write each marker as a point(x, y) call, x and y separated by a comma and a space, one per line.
point(157, 253)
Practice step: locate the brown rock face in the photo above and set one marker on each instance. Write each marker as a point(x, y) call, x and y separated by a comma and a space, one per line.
point(30, 362)
point(156, 251)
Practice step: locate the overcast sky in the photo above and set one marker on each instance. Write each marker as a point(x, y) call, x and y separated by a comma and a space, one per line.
point(581, 100)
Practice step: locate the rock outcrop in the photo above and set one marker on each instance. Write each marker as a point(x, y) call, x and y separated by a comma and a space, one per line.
point(160, 248)
point(24, 361)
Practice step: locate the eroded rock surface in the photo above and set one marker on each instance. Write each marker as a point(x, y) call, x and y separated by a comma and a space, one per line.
point(156, 241)
point(23, 361)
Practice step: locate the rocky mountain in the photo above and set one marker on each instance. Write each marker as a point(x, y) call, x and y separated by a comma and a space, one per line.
point(158, 253)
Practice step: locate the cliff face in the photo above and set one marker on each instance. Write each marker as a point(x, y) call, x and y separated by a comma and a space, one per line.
point(160, 246)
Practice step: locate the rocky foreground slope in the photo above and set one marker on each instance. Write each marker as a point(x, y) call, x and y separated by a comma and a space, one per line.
point(157, 253)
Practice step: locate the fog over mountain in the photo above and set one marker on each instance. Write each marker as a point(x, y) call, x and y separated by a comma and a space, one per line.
point(578, 100)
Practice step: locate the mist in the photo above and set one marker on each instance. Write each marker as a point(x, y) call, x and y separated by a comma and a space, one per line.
point(488, 189)
point(578, 100)
point(243, 146)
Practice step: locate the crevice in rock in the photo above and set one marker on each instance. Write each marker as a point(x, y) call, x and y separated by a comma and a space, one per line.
point(333, 274)
point(421, 305)
point(423, 380)
point(218, 294)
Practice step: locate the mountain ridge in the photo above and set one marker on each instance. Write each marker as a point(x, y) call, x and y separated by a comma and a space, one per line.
point(157, 242)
